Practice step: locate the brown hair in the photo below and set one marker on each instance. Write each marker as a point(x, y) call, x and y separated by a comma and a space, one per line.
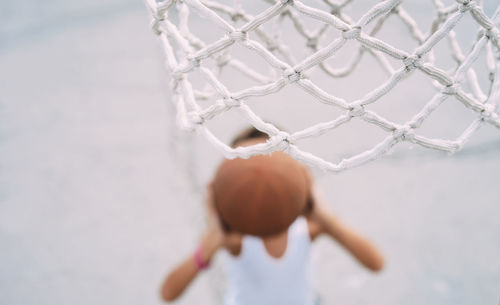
point(249, 133)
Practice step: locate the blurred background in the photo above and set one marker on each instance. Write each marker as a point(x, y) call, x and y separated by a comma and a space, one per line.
point(101, 194)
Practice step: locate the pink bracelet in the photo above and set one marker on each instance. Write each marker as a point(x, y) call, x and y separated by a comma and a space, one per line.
point(200, 264)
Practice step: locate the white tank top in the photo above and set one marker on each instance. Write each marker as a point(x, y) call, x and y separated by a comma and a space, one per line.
point(257, 278)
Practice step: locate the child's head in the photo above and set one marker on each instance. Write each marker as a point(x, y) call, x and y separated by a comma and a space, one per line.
point(261, 195)
point(249, 134)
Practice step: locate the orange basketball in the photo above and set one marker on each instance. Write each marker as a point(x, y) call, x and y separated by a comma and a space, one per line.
point(261, 195)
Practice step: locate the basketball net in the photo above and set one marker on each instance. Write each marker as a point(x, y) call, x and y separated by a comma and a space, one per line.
point(185, 53)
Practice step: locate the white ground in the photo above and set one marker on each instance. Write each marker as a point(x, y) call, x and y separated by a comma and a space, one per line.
point(96, 204)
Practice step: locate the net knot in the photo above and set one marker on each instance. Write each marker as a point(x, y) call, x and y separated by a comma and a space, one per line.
point(352, 33)
point(492, 33)
point(450, 89)
point(237, 35)
point(155, 26)
point(465, 5)
point(177, 76)
point(193, 61)
point(488, 111)
point(231, 102)
point(312, 42)
point(412, 62)
point(161, 10)
point(286, 1)
point(356, 110)
point(403, 133)
point(293, 75)
point(194, 118)
point(282, 139)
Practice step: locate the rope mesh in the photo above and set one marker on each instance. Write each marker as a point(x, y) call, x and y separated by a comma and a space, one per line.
point(185, 53)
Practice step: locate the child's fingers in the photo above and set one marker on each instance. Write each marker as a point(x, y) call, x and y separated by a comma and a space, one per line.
point(213, 216)
point(209, 196)
point(210, 203)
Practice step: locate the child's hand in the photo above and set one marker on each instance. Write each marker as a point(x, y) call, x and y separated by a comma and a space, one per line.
point(215, 236)
point(316, 207)
point(214, 230)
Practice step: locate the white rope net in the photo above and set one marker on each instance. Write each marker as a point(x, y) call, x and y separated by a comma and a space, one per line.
point(185, 53)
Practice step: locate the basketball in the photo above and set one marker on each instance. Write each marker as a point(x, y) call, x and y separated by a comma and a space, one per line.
point(261, 195)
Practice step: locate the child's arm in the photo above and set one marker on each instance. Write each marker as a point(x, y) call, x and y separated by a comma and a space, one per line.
point(178, 279)
point(362, 249)
point(214, 238)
